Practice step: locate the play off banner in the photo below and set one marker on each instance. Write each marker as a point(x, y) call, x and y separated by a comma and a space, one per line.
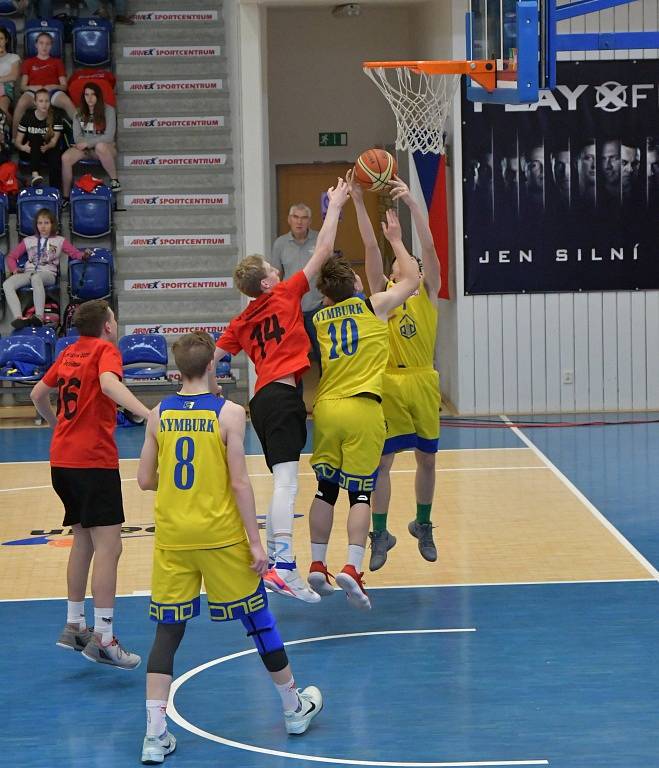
point(175, 16)
point(176, 200)
point(172, 50)
point(210, 121)
point(172, 161)
point(154, 86)
point(177, 329)
point(175, 241)
point(178, 283)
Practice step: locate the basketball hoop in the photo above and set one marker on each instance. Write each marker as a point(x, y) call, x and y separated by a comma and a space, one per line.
point(420, 94)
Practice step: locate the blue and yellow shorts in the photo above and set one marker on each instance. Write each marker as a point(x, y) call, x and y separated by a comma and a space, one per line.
point(234, 589)
point(348, 436)
point(411, 402)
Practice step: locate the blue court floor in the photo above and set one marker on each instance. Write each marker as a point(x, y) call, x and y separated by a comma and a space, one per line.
point(558, 674)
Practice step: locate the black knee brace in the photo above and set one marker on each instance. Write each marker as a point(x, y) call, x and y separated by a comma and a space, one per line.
point(328, 492)
point(161, 658)
point(359, 497)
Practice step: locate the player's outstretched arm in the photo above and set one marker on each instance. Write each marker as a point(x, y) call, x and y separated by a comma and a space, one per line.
point(147, 469)
point(232, 421)
point(384, 302)
point(431, 274)
point(374, 267)
point(40, 396)
point(338, 197)
point(115, 389)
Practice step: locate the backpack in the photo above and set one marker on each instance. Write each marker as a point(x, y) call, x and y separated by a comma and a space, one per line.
point(67, 318)
point(50, 314)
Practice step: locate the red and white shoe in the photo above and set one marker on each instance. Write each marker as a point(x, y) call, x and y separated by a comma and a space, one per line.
point(319, 579)
point(285, 579)
point(351, 583)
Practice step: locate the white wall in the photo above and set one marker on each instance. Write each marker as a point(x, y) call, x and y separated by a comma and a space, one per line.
point(512, 350)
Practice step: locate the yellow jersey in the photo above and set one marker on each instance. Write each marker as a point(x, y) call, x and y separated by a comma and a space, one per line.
point(195, 506)
point(353, 349)
point(413, 332)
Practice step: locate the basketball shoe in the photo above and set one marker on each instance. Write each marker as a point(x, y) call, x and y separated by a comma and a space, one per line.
point(351, 583)
point(284, 579)
point(381, 543)
point(311, 703)
point(319, 579)
point(74, 639)
point(114, 654)
point(156, 748)
point(423, 532)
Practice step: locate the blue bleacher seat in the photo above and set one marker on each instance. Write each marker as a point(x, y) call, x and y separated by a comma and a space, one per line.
point(2, 279)
point(35, 27)
point(92, 42)
point(73, 332)
point(9, 25)
point(4, 214)
point(91, 278)
point(63, 343)
point(7, 8)
point(91, 212)
point(44, 332)
point(24, 359)
point(144, 356)
point(223, 370)
point(30, 201)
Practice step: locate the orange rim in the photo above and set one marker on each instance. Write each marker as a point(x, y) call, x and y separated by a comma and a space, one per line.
point(483, 71)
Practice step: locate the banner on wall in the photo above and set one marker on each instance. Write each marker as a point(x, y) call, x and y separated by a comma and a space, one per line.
point(563, 194)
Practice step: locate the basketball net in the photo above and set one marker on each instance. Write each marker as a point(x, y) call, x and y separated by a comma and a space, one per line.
point(420, 102)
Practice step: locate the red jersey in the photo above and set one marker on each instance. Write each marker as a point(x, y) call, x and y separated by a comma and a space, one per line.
point(271, 331)
point(43, 71)
point(86, 418)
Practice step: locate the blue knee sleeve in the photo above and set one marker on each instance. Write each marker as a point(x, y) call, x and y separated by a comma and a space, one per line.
point(261, 626)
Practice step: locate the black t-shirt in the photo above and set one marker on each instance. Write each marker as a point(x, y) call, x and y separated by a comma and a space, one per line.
point(30, 124)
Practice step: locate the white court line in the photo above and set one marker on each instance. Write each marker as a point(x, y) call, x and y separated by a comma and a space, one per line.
point(313, 474)
point(181, 721)
point(583, 499)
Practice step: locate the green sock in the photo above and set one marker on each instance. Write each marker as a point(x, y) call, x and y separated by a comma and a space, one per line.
point(379, 522)
point(422, 513)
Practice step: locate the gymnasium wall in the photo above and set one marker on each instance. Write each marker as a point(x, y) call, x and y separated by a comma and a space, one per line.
point(510, 353)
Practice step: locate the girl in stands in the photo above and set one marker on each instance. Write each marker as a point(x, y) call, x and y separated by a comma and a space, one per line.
point(40, 256)
point(93, 132)
point(9, 66)
point(38, 135)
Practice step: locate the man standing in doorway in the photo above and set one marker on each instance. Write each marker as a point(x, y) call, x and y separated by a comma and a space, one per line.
point(290, 254)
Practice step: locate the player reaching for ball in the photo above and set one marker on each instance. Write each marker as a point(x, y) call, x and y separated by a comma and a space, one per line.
point(349, 429)
point(411, 396)
point(193, 457)
point(271, 331)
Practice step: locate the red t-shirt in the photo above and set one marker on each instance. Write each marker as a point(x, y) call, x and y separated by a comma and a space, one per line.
point(43, 71)
point(271, 331)
point(86, 418)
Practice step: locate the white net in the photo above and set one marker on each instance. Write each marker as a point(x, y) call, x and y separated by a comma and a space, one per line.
point(421, 104)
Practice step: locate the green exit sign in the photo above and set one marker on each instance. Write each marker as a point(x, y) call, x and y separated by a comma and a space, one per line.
point(333, 139)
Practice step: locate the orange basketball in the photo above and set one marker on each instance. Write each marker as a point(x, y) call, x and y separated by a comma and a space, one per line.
point(374, 169)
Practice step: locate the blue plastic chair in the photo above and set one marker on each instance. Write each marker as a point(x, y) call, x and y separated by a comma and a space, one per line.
point(24, 359)
point(35, 27)
point(44, 332)
point(144, 356)
point(4, 214)
point(63, 343)
point(7, 8)
point(91, 278)
point(30, 201)
point(223, 370)
point(91, 212)
point(92, 42)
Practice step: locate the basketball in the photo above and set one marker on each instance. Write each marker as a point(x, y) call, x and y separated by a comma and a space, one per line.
point(374, 169)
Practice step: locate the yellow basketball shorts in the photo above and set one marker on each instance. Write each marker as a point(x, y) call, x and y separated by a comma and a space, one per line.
point(348, 436)
point(411, 401)
point(234, 589)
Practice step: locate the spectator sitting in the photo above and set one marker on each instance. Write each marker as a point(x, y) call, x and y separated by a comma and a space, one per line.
point(38, 135)
point(93, 132)
point(120, 16)
point(40, 268)
point(9, 66)
point(43, 71)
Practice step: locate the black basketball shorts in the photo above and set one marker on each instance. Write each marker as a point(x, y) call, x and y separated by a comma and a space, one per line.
point(279, 418)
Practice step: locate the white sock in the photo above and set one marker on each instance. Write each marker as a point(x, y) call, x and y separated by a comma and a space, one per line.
point(290, 701)
point(282, 509)
point(103, 624)
point(356, 555)
point(319, 552)
point(75, 614)
point(156, 722)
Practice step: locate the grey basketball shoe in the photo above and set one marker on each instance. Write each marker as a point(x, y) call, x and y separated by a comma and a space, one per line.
point(423, 532)
point(74, 639)
point(114, 654)
point(381, 543)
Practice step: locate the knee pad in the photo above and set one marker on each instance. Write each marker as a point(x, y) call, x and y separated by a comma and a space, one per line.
point(359, 497)
point(328, 492)
point(261, 626)
point(165, 645)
